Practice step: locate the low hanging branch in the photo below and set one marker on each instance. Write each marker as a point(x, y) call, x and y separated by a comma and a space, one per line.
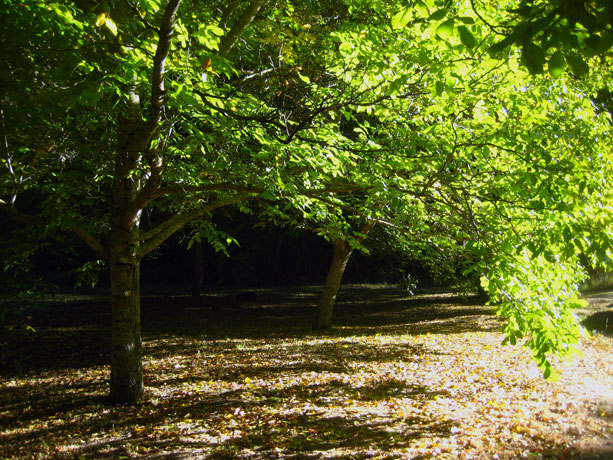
point(17, 216)
point(152, 239)
point(92, 242)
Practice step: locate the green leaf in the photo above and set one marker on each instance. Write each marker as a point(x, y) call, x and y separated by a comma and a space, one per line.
point(216, 30)
point(557, 64)
point(267, 195)
point(401, 19)
point(577, 65)
point(466, 19)
point(438, 15)
point(445, 30)
point(467, 38)
point(439, 87)
point(501, 45)
point(533, 58)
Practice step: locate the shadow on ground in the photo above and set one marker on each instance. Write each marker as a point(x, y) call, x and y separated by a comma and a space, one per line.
point(76, 334)
point(235, 379)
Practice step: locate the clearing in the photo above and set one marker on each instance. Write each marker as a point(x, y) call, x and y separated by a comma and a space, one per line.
point(245, 378)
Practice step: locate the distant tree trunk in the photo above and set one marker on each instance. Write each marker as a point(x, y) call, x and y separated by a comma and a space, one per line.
point(342, 253)
point(197, 273)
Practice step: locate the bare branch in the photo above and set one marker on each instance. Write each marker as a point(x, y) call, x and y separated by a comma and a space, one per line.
point(9, 164)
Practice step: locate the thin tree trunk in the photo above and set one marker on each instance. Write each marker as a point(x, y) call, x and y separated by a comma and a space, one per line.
point(342, 253)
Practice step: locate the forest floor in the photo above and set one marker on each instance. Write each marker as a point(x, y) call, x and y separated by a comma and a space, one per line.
point(399, 377)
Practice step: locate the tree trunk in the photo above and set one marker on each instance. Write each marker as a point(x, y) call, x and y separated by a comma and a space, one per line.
point(124, 262)
point(197, 273)
point(342, 253)
point(126, 366)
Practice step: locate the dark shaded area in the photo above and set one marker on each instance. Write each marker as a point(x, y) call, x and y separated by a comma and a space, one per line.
point(249, 329)
point(270, 256)
point(266, 256)
point(75, 334)
point(600, 322)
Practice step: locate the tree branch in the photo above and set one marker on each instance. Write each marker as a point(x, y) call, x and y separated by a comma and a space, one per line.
point(9, 165)
point(239, 27)
point(163, 47)
point(151, 132)
point(92, 242)
point(165, 230)
point(147, 24)
point(24, 218)
point(18, 216)
point(228, 186)
point(225, 15)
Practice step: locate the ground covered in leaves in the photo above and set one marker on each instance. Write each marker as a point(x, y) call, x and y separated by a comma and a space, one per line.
point(243, 377)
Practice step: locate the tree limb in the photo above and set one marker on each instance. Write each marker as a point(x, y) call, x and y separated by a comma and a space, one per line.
point(9, 165)
point(163, 47)
point(29, 219)
point(152, 239)
point(228, 186)
point(92, 242)
point(152, 154)
point(18, 216)
point(225, 15)
point(239, 27)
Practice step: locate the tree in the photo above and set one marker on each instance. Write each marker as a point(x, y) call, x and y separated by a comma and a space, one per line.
point(105, 59)
point(148, 115)
point(555, 32)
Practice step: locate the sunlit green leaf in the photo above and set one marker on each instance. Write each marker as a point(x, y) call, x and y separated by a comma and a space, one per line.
point(445, 30)
point(401, 19)
point(110, 24)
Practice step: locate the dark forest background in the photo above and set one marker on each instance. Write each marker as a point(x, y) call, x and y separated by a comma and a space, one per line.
point(263, 256)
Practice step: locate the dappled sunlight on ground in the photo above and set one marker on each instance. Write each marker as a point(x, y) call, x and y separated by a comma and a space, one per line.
point(420, 377)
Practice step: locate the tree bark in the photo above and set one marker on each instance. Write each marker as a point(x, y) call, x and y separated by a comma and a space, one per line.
point(124, 260)
point(127, 384)
point(239, 27)
point(342, 253)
